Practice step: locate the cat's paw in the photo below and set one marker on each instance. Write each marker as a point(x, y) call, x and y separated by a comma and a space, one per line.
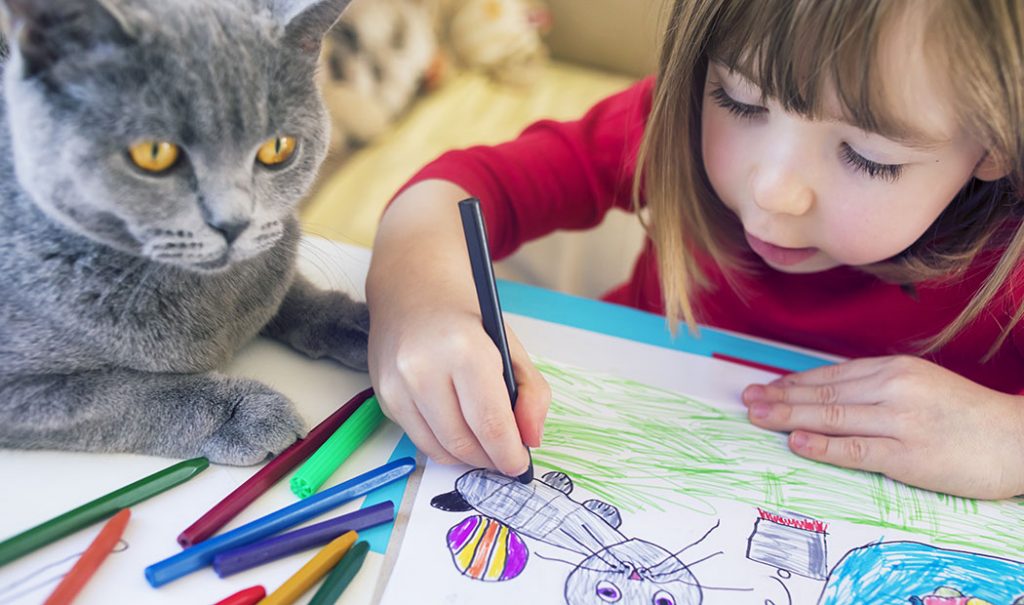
point(262, 423)
point(347, 336)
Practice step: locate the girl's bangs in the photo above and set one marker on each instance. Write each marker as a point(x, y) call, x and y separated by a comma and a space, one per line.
point(806, 55)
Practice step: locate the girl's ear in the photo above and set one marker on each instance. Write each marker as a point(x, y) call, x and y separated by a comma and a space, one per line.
point(307, 21)
point(991, 168)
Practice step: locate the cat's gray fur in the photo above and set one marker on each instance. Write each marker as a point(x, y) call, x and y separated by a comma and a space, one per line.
point(123, 292)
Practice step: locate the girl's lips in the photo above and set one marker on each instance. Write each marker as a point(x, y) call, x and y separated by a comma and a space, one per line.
point(777, 255)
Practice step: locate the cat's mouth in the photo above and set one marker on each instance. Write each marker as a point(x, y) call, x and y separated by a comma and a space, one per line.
point(216, 264)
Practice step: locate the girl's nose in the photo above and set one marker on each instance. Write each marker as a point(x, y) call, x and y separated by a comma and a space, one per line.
point(781, 191)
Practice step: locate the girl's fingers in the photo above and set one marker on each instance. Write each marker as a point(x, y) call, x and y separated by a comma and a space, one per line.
point(837, 372)
point(875, 454)
point(488, 411)
point(842, 393)
point(443, 416)
point(534, 394)
point(403, 413)
point(830, 419)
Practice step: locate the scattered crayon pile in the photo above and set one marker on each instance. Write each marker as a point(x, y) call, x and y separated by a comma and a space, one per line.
point(258, 542)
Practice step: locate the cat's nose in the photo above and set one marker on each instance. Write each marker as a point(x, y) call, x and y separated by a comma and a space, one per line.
point(229, 229)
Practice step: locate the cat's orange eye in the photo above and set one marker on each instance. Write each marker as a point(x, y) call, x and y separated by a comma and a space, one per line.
point(154, 156)
point(276, 151)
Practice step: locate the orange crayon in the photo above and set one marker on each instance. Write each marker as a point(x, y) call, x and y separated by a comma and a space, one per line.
point(90, 560)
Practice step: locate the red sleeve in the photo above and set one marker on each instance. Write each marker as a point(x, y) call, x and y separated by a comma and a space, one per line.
point(555, 175)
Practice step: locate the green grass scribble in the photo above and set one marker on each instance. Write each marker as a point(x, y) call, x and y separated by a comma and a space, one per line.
point(638, 446)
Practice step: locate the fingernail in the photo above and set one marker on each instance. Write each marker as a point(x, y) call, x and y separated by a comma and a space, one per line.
point(755, 393)
point(760, 410)
point(798, 440)
point(527, 475)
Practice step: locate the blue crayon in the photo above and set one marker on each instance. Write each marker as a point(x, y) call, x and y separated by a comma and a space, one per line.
point(202, 554)
point(251, 555)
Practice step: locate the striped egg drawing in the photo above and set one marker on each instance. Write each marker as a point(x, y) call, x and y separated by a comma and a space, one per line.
point(486, 549)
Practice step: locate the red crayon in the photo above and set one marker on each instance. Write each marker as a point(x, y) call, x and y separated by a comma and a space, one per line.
point(244, 494)
point(249, 596)
point(90, 560)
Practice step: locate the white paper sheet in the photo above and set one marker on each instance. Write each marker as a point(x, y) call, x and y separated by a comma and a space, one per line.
point(733, 516)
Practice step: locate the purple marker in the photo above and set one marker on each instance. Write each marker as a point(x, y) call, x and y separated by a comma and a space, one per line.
point(249, 556)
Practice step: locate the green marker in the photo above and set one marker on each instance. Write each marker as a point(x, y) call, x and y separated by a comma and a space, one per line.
point(99, 509)
point(341, 575)
point(349, 436)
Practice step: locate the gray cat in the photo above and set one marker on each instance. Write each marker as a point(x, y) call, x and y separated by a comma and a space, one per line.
point(152, 154)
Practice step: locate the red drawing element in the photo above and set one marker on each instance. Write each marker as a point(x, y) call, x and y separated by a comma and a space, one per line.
point(804, 524)
point(751, 364)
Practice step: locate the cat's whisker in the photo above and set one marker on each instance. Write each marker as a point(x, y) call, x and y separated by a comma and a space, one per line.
point(323, 262)
point(150, 270)
point(129, 271)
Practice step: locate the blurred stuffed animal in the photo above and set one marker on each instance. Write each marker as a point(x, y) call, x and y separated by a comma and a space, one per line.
point(375, 62)
point(502, 38)
point(383, 53)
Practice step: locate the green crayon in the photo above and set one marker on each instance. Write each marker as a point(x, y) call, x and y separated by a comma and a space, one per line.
point(99, 509)
point(341, 575)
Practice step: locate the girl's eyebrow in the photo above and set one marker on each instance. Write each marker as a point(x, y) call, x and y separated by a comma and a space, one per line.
point(906, 135)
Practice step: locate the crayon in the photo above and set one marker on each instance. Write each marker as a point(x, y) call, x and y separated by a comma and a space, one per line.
point(475, 230)
point(251, 555)
point(202, 554)
point(341, 575)
point(337, 449)
point(90, 560)
point(99, 509)
point(750, 364)
point(236, 501)
point(311, 572)
point(246, 596)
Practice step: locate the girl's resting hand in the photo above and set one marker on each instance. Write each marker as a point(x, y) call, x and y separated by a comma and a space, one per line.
point(904, 417)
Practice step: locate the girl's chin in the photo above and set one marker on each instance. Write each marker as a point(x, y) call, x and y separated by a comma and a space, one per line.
point(814, 264)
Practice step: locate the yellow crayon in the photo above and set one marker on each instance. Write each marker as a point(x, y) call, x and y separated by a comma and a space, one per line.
point(311, 572)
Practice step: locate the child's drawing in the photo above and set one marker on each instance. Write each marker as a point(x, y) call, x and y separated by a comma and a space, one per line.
point(615, 569)
point(919, 574)
point(790, 542)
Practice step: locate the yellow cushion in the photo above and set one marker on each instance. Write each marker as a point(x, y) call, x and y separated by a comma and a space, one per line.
point(468, 110)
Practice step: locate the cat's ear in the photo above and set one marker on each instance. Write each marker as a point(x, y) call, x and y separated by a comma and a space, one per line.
point(306, 21)
point(44, 31)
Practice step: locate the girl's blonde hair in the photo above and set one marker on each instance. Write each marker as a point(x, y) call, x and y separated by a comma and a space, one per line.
point(795, 50)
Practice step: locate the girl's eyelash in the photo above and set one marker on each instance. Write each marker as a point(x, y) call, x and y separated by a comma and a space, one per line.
point(886, 172)
point(740, 110)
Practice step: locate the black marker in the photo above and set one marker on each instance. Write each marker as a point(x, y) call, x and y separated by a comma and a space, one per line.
point(487, 294)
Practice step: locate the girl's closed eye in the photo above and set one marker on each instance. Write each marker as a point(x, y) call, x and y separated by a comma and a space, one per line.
point(875, 170)
point(740, 110)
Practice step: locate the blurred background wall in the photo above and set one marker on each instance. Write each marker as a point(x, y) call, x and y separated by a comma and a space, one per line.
point(409, 79)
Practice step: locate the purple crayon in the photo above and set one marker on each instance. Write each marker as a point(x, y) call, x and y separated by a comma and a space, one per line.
point(251, 555)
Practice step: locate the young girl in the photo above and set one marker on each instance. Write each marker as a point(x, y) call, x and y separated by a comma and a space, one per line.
point(845, 175)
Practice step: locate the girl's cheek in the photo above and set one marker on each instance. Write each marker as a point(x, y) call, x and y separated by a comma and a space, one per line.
point(723, 157)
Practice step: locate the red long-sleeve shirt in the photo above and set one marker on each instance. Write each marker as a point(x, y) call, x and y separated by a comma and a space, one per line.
point(567, 175)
